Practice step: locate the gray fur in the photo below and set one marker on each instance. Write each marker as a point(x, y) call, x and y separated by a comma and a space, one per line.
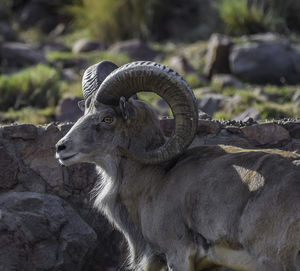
point(213, 206)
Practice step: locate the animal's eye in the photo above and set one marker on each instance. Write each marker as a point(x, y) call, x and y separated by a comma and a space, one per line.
point(108, 120)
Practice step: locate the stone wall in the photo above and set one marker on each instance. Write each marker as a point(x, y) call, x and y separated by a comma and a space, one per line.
point(46, 216)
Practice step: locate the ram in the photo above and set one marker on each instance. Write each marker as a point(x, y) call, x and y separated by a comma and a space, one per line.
point(181, 209)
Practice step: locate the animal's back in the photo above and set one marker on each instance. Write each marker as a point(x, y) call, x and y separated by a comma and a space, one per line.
point(238, 195)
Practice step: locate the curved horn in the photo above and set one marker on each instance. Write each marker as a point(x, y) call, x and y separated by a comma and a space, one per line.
point(95, 75)
point(150, 76)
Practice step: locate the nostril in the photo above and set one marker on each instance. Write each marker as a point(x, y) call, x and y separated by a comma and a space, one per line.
point(60, 147)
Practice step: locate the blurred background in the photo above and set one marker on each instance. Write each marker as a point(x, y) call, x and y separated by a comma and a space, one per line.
point(241, 57)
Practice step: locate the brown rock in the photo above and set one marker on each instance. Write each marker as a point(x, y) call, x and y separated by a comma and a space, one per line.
point(217, 57)
point(21, 131)
point(209, 127)
point(266, 133)
point(8, 169)
point(204, 126)
point(233, 129)
point(181, 65)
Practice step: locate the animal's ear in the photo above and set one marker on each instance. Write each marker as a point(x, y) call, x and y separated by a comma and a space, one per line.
point(127, 109)
point(81, 105)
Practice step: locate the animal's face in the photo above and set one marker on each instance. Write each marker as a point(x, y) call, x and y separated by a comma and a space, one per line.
point(111, 123)
point(94, 136)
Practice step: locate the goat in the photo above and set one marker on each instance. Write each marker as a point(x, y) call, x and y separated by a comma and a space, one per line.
point(181, 209)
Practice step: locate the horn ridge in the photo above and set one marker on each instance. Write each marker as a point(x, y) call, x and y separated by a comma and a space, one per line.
point(95, 75)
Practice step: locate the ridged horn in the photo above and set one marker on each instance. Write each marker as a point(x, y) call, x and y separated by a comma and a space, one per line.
point(153, 77)
point(95, 75)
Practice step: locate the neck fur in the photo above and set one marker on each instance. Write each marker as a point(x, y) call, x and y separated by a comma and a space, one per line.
point(107, 199)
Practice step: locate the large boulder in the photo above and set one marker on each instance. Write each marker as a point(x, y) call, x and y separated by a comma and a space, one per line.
point(267, 62)
point(217, 56)
point(42, 232)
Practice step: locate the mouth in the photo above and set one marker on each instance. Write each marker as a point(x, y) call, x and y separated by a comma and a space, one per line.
point(66, 160)
point(67, 157)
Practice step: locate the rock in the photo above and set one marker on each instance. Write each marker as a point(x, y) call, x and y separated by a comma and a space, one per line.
point(296, 98)
point(21, 131)
point(263, 63)
point(217, 56)
point(87, 45)
point(209, 103)
point(41, 160)
point(226, 80)
point(8, 169)
point(233, 129)
point(248, 113)
point(20, 54)
point(6, 32)
point(68, 110)
point(42, 232)
point(208, 127)
point(181, 65)
point(135, 49)
point(266, 133)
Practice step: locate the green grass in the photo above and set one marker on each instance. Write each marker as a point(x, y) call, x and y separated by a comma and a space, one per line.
point(28, 115)
point(193, 80)
point(273, 111)
point(281, 107)
point(36, 86)
point(113, 20)
point(282, 94)
point(241, 17)
point(71, 89)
